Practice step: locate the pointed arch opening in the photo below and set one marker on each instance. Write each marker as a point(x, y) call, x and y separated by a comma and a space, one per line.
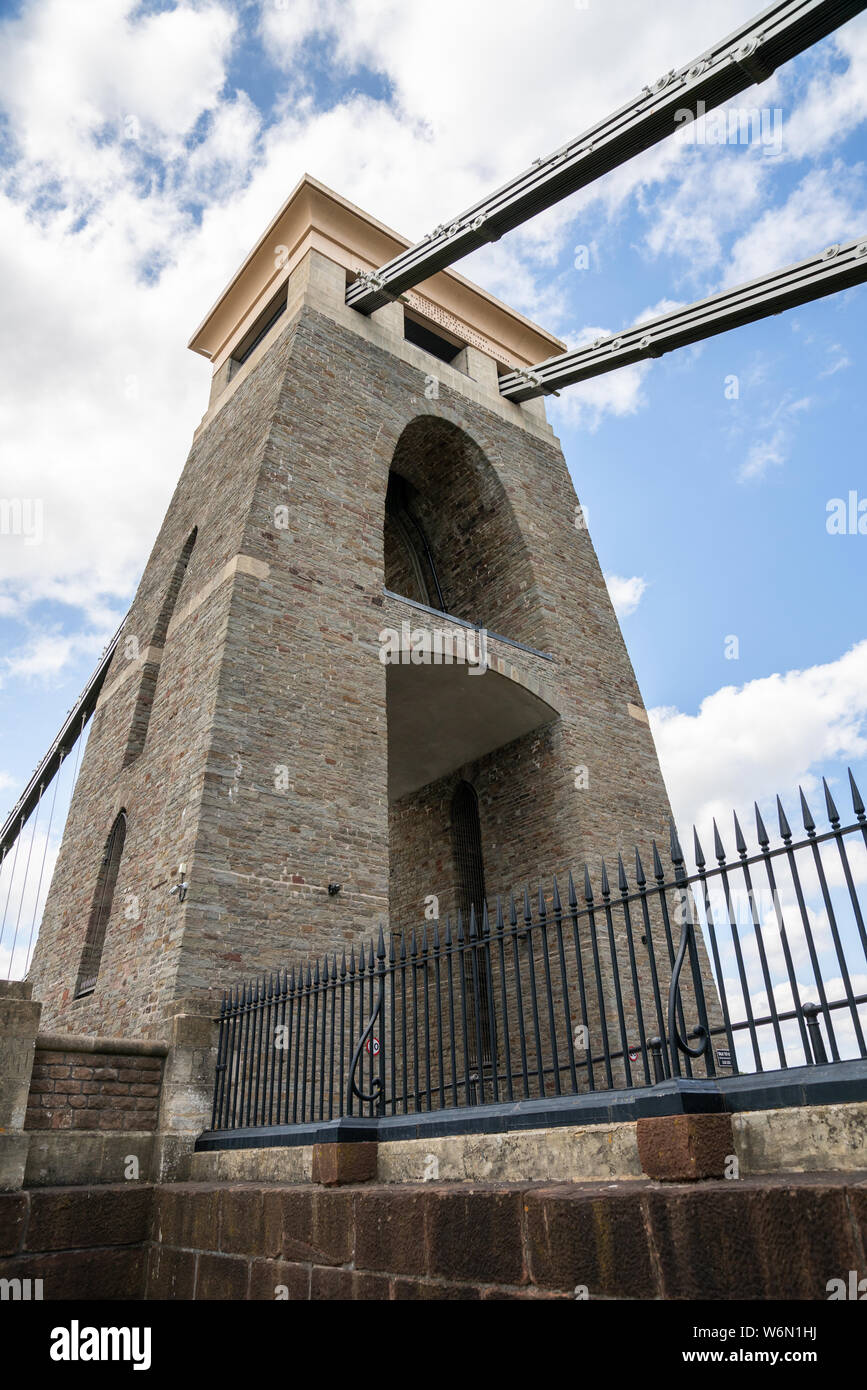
point(151, 668)
point(100, 911)
point(451, 538)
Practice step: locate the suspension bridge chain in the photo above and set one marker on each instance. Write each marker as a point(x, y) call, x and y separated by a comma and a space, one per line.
point(836, 268)
point(73, 727)
point(747, 56)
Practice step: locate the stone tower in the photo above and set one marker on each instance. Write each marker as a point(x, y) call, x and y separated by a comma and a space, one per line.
point(283, 755)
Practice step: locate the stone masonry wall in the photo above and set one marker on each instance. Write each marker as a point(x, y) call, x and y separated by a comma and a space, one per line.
point(768, 1238)
point(93, 1091)
point(264, 769)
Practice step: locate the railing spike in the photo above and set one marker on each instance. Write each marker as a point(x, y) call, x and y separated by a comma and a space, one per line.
point(555, 897)
point(543, 911)
point(448, 934)
point(460, 931)
point(622, 882)
point(309, 981)
point(370, 961)
point(588, 887)
point(352, 961)
point(806, 813)
point(501, 925)
point(833, 813)
point(657, 864)
point(761, 832)
point(391, 950)
point(606, 890)
point(473, 929)
point(570, 888)
point(343, 966)
point(380, 948)
point(436, 934)
point(316, 974)
point(857, 802)
point(718, 846)
point(698, 852)
point(334, 966)
point(486, 929)
point(785, 828)
point(513, 911)
point(676, 851)
point(740, 842)
point(640, 877)
point(424, 938)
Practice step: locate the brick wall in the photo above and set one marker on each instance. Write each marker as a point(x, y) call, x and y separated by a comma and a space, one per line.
point(93, 1091)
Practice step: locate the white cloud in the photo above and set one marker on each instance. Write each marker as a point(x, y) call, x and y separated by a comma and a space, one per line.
point(836, 101)
point(753, 741)
point(772, 450)
point(764, 454)
point(827, 206)
point(626, 594)
point(46, 654)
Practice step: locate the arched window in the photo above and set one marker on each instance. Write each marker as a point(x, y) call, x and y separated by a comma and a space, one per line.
point(470, 875)
point(101, 909)
point(467, 839)
point(410, 569)
point(151, 669)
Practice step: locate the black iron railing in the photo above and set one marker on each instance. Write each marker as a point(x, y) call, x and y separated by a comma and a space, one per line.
point(757, 963)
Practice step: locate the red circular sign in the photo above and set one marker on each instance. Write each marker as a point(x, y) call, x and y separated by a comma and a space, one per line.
point(375, 1042)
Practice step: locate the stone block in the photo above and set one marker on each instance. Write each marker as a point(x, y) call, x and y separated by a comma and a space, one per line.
point(390, 1230)
point(335, 1165)
point(267, 1276)
point(222, 1277)
point(684, 1148)
point(13, 1220)
point(171, 1273)
point(475, 1235)
point(590, 1236)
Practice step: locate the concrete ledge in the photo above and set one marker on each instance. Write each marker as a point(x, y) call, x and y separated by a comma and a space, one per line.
point(806, 1139)
point(67, 1158)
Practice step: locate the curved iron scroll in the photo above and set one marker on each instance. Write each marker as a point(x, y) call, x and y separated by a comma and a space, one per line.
point(352, 1088)
point(698, 1031)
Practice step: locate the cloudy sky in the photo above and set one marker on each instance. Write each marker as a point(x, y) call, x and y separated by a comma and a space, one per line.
point(143, 148)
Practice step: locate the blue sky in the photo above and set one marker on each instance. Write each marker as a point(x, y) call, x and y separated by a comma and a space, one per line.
point(144, 148)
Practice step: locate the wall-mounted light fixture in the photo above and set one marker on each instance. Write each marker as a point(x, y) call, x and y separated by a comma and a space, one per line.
point(180, 888)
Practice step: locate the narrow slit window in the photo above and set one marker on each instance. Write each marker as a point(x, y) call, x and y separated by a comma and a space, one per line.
point(151, 668)
point(469, 863)
point(260, 329)
point(101, 910)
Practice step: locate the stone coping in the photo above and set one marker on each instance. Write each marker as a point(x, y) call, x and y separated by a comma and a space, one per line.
point(131, 1047)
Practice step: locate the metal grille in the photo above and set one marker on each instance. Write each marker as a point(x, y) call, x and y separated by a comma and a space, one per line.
point(757, 964)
